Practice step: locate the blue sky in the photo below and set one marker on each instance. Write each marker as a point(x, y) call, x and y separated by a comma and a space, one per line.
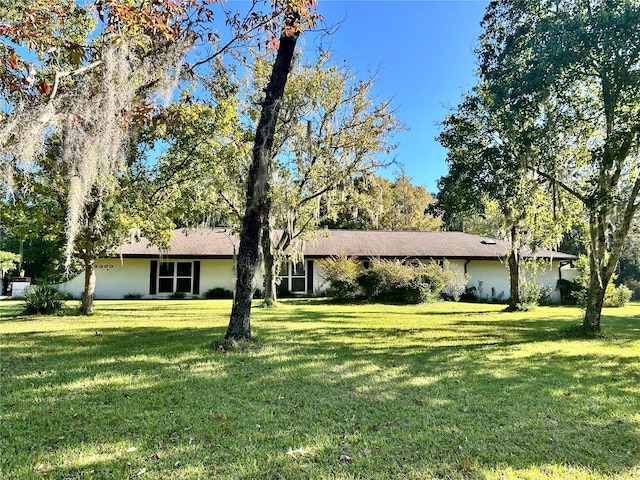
point(423, 52)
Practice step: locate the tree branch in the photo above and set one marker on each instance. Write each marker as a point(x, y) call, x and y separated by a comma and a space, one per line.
point(563, 185)
point(230, 204)
point(78, 71)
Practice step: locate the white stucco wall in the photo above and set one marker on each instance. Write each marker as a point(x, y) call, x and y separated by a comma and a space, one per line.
point(491, 278)
point(216, 273)
point(114, 278)
point(548, 276)
point(569, 273)
point(117, 277)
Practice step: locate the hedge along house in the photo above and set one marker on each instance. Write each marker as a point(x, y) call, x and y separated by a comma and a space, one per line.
point(483, 259)
point(201, 259)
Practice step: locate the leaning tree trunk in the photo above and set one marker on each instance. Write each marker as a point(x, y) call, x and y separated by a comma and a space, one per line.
point(270, 268)
point(602, 261)
point(600, 268)
point(257, 209)
point(86, 305)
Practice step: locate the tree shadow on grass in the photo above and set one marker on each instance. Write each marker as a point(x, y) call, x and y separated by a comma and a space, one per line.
point(394, 400)
point(10, 309)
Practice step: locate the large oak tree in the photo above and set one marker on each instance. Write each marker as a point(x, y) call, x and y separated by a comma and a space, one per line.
point(568, 74)
point(487, 165)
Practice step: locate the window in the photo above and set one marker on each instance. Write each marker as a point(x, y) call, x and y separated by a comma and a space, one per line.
point(165, 277)
point(175, 277)
point(183, 277)
point(293, 276)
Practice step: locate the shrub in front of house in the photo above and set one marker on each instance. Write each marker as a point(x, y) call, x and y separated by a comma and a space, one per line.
point(398, 282)
point(615, 296)
point(283, 291)
point(395, 281)
point(343, 290)
point(43, 300)
point(455, 284)
point(132, 296)
point(470, 295)
point(218, 293)
point(341, 273)
point(371, 283)
point(385, 280)
point(429, 284)
point(532, 294)
point(414, 293)
point(569, 291)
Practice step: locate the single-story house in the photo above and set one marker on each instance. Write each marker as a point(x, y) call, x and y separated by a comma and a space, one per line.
point(200, 259)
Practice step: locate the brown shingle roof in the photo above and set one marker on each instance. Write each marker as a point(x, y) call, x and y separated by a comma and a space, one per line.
point(198, 242)
point(220, 243)
point(373, 243)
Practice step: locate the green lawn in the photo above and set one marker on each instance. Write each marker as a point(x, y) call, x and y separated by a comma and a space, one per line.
point(327, 392)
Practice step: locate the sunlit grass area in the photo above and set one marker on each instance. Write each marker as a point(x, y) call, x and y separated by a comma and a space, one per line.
point(445, 390)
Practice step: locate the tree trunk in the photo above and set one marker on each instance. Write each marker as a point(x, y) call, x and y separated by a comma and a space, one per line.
point(257, 209)
point(270, 269)
point(514, 280)
point(86, 305)
point(600, 268)
point(602, 261)
point(595, 301)
point(514, 265)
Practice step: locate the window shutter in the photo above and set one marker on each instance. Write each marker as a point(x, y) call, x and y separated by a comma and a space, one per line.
point(153, 277)
point(310, 277)
point(196, 277)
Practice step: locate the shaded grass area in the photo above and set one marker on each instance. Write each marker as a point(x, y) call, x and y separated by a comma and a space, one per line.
point(326, 392)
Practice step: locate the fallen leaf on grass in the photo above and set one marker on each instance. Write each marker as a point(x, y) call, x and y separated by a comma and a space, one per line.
point(142, 471)
point(344, 458)
point(466, 465)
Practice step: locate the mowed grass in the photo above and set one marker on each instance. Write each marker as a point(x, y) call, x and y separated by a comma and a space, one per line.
point(445, 390)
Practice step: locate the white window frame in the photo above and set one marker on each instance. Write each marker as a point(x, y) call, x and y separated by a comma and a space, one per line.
point(291, 275)
point(175, 277)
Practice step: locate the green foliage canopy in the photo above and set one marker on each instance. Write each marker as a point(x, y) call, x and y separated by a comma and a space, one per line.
point(565, 77)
